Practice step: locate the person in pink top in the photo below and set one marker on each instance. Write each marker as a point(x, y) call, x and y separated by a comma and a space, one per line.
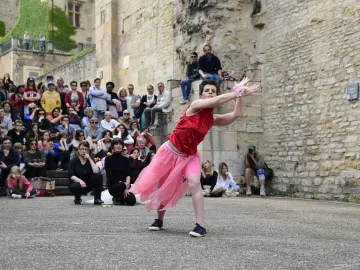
point(176, 166)
point(18, 186)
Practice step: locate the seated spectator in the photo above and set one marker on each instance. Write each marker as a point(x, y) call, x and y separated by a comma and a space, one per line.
point(35, 160)
point(65, 128)
point(18, 186)
point(41, 120)
point(5, 122)
point(28, 117)
point(50, 99)
point(74, 118)
point(208, 179)
point(225, 178)
point(55, 117)
point(33, 133)
point(77, 96)
point(114, 104)
point(136, 164)
point(122, 133)
point(74, 145)
point(125, 119)
point(94, 132)
point(125, 103)
point(118, 173)
point(19, 149)
point(149, 139)
point(54, 134)
point(144, 151)
point(209, 66)
point(134, 129)
point(149, 157)
point(148, 101)
point(104, 144)
point(253, 161)
point(62, 155)
point(47, 146)
point(89, 113)
point(108, 123)
point(163, 105)
point(84, 175)
point(30, 94)
point(8, 158)
point(16, 99)
point(17, 134)
point(9, 111)
point(192, 74)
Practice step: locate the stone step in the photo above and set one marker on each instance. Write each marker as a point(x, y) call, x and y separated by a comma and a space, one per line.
point(62, 191)
point(57, 174)
point(61, 181)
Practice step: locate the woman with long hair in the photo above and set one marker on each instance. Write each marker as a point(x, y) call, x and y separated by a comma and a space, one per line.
point(55, 117)
point(41, 120)
point(208, 177)
point(8, 82)
point(4, 94)
point(122, 133)
point(225, 179)
point(33, 133)
point(162, 182)
point(124, 101)
point(35, 160)
point(9, 110)
point(5, 122)
point(16, 99)
point(47, 145)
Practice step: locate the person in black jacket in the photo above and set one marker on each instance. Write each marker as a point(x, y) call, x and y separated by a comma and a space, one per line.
point(17, 134)
point(192, 73)
point(118, 173)
point(8, 158)
point(209, 66)
point(84, 175)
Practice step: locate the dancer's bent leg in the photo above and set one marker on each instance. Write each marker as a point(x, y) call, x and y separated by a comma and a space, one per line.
point(197, 197)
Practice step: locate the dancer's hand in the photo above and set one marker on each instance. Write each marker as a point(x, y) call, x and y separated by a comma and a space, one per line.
point(126, 193)
point(251, 89)
point(242, 88)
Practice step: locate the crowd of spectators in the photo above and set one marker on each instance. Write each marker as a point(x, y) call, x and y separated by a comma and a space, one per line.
point(45, 126)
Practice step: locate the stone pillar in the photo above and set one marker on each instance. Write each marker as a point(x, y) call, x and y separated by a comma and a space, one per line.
point(14, 43)
point(50, 46)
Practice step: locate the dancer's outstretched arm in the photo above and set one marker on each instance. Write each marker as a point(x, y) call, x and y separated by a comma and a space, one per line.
point(200, 104)
point(228, 118)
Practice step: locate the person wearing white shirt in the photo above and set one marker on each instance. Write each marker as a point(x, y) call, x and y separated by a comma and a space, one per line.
point(225, 178)
point(108, 123)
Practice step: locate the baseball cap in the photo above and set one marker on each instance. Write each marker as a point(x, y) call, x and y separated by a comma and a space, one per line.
point(30, 79)
point(51, 82)
point(49, 76)
point(251, 147)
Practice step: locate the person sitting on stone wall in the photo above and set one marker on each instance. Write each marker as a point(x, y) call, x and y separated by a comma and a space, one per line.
point(163, 105)
point(192, 74)
point(209, 66)
point(253, 161)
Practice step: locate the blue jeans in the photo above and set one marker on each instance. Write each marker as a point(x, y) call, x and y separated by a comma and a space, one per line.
point(213, 76)
point(22, 193)
point(186, 87)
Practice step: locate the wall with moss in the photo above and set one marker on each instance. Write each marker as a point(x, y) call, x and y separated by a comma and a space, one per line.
point(2, 28)
point(35, 17)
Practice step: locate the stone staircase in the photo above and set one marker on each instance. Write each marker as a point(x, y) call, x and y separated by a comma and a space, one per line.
point(61, 182)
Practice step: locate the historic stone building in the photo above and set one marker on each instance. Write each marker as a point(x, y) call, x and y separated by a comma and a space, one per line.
point(304, 53)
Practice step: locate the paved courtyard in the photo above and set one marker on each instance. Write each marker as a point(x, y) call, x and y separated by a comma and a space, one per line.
point(243, 233)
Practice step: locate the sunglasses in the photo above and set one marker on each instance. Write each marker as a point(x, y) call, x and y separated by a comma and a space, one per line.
point(193, 56)
point(74, 85)
point(32, 143)
point(130, 88)
point(94, 122)
point(83, 85)
point(126, 113)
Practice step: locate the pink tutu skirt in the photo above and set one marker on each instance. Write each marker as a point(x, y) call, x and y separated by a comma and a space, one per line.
point(163, 183)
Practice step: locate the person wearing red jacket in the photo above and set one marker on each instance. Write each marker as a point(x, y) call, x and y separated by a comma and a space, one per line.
point(75, 95)
point(18, 186)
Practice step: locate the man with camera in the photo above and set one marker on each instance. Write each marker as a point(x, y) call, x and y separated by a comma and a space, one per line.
point(254, 161)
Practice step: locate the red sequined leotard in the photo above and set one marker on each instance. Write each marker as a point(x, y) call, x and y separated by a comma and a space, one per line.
point(190, 131)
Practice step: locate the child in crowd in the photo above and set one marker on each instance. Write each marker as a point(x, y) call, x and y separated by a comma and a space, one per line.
point(162, 182)
point(61, 152)
point(18, 186)
point(19, 149)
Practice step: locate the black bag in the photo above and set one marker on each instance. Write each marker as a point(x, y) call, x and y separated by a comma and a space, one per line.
point(269, 173)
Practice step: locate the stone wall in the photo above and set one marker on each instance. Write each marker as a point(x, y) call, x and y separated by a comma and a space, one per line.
point(311, 132)
point(83, 68)
point(9, 13)
point(20, 64)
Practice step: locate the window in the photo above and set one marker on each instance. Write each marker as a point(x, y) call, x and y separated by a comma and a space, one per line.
point(74, 14)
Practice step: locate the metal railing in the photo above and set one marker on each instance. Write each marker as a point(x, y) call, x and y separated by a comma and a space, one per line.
point(44, 46)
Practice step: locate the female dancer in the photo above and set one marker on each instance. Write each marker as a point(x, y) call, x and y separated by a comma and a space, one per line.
point(162, 183)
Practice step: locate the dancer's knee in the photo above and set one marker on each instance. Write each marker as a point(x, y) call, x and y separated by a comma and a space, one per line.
point(194, 182)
